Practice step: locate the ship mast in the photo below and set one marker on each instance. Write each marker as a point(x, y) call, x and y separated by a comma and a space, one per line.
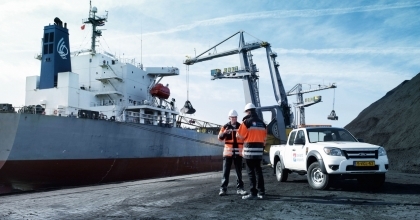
point(96, 21)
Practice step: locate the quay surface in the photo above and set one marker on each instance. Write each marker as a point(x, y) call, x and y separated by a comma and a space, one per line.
point(196, 197)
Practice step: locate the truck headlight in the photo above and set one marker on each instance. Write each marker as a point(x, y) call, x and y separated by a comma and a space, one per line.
point(381, 151)
point(332, 151)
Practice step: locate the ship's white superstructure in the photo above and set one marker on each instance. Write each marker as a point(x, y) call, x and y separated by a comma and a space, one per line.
point(102, 86)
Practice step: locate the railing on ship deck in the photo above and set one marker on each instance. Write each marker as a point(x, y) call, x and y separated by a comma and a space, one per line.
point(136, 117)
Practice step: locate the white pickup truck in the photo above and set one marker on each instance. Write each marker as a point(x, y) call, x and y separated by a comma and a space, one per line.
point(327, 153)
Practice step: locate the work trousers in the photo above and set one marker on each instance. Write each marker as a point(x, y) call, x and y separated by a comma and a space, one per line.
point(256, 179)
point(227, 164)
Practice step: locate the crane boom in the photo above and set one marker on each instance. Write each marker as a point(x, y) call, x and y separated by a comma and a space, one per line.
point(248, 73)
point(241, 49)
point(297, 90)
point(300, 91)
point(278, 88)
point(250, 81)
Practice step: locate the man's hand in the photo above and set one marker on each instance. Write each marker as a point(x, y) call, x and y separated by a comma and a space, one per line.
point(227, 131)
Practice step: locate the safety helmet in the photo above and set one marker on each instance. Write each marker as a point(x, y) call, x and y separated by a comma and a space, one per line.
point(249, 106)
point(233, 113)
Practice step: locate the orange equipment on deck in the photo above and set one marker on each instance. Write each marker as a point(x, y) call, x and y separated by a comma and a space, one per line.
point(160, 91)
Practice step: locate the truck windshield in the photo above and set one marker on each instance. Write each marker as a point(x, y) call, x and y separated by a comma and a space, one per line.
point(329, 134)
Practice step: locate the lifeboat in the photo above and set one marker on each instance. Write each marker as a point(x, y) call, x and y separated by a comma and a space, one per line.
point(160, 91)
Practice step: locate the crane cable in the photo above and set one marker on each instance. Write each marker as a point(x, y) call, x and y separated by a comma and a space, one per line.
point(334, 99)
point(187, 68)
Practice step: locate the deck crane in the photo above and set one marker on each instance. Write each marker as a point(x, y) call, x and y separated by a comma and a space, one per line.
point(281, 114)
point(297, 90)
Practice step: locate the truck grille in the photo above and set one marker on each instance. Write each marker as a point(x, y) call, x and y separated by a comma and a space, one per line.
point(361, 154)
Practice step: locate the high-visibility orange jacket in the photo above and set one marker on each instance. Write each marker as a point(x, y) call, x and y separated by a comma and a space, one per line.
point(233, 145)
point(254, 133)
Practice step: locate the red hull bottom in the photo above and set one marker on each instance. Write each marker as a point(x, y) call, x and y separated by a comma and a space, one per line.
point(28, 175)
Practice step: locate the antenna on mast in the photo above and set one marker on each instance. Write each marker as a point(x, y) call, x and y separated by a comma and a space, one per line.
point(141, 43)
point(96, 21)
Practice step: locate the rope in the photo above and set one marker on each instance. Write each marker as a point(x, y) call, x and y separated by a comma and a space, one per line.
point(253, 36)
point(83, 42)
point(106, 44)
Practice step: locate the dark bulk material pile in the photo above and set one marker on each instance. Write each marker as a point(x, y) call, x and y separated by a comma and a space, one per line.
point(394, 123)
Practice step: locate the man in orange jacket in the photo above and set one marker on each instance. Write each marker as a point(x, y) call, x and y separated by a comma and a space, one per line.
point(254, 133)
point(232, 152)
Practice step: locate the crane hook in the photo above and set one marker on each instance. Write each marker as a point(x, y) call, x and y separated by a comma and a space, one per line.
point(332, 115)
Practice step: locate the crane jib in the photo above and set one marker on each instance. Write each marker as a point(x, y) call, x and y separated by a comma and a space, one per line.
point(248, 73)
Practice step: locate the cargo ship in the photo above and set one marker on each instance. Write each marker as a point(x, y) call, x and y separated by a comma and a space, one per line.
point(91, 118)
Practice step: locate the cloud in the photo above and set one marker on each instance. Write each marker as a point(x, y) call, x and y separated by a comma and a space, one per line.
point(353, 51)
point(285, 14)
point(364, 60)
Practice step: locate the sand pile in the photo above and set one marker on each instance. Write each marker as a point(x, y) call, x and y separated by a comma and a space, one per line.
point(394, 123)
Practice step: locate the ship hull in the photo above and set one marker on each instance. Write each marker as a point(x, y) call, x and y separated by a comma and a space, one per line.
point(46, 151)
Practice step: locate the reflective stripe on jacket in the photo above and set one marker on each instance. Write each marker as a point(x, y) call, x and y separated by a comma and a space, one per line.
point(233, 145)
point(254, 133)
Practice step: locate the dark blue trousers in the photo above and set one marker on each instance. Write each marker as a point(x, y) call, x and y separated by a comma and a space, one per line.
point(256, 179)
point(227, 164)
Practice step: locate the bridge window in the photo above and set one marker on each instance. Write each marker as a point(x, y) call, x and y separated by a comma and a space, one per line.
point(51, 37)
point(46, 38)
point(50, 48)
point(45, 48)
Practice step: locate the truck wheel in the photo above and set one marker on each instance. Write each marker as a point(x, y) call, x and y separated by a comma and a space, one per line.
point(316, 178)
point(281, 174)
point(273, 129)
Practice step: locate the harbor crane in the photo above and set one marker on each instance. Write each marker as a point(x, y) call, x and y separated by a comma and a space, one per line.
point(281, 114)
point(300, 104)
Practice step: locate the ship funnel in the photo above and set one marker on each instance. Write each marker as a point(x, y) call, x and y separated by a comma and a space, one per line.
point(55, 54)
point(58, 22)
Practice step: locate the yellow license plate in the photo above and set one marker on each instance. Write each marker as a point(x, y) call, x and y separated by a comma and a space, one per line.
point(364, 163)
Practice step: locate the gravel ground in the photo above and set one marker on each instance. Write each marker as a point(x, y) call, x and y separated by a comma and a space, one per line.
point(196, 197)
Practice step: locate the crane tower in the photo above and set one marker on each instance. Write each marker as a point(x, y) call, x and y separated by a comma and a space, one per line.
point(300, 104)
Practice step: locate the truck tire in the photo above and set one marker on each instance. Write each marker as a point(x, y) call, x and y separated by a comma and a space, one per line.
point(273, 129)
point(316, 178)
point(281, 174)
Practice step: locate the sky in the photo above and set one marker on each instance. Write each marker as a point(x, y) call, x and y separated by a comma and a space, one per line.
point(365, 47)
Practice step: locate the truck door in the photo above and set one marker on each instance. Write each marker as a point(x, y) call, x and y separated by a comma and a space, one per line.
point(299, 154)
point(289, 151)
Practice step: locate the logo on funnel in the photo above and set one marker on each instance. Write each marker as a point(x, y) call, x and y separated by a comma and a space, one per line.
point(62, 49)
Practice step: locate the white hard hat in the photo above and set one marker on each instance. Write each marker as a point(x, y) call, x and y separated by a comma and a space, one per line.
point(249, 106)
point(233, 113)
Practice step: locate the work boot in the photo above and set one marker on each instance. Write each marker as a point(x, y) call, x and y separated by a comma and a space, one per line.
point(250, 197)
point(261, 195)
point(241, 192)
point(222, 193)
